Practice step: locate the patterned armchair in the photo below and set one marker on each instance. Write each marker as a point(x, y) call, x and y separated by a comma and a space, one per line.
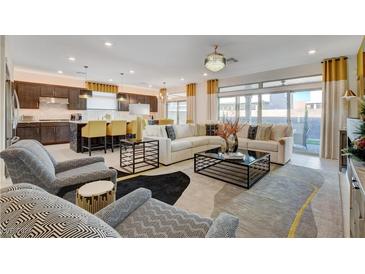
point(29, 162)
point(27, 211)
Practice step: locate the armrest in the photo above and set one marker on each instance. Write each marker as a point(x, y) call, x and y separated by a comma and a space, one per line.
point(20, 186)
point(285, 149)
point(164, 149)
point(118, 211)
point(75, 163)
point(67, 184)
point(224, 226)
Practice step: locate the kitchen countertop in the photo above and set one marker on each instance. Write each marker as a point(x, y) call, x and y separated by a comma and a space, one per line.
point(44, 121)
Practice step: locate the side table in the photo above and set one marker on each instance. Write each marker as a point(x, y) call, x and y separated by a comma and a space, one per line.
point(96, 195)
point(139, 156)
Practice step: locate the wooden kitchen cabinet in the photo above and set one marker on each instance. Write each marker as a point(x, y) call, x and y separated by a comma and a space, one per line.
point(75, 102)
point(61, 92)
point(55, 133)
point(28, 94)
point(62, 133)
point(138, 99)
point(153, 104)
point(53, 91)
point(28, 131)
point(46, 91)
point(48, 134)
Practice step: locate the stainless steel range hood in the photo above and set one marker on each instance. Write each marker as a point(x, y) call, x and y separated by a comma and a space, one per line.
point(53, 100)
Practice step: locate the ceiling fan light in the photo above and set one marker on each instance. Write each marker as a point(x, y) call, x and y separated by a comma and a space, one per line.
point(215, 61)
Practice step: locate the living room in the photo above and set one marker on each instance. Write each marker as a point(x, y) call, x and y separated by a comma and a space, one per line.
point(128, 135)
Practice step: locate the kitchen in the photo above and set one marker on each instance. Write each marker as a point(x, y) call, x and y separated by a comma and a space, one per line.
point(49, 103)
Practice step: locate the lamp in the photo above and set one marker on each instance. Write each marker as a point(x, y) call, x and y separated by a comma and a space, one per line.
point(139, 110)
point(349, 94)
point(215, 61)
point(85, 93)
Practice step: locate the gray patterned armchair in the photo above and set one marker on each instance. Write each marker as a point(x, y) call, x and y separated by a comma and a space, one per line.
point(28, 161)
point(28, 211)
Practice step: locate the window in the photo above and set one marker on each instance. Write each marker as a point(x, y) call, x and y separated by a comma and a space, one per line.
point(227, 108)
point(239, 87)
point(274, 108)
point(305, 112)
point(292, 81)
point(177, 112)
point(248, 108)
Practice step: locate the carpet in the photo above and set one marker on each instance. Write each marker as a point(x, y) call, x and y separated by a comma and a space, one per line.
point(166, 187)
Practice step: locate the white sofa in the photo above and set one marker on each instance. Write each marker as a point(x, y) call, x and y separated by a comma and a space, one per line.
point(278, 142)
point(189, 140)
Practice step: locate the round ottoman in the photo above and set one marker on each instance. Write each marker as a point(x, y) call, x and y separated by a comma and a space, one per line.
point(96, 195)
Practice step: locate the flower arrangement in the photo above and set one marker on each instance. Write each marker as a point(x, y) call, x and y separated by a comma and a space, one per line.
point(228, 129)
point(357, 149)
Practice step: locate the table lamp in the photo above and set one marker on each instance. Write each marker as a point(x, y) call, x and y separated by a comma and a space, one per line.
point(139, 110)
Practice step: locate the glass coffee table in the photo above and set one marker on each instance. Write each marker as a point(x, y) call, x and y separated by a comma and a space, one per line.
point(244, 172)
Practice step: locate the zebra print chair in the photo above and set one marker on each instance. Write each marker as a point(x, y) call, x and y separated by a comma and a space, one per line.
point(28, 211)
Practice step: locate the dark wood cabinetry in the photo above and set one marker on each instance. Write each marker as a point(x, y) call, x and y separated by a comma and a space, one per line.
point(29, 131)
point(46, 132)
point(75, 102)
point(28, 94)
point(138, 99)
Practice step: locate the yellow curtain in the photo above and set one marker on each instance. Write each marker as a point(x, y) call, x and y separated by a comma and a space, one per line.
point(212, 108)
point(191, 102)
point(102, 87)
point(361, 70)
point(333, 106)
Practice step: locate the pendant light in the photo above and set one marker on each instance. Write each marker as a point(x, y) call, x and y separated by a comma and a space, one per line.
point(120, 96)
point(215, 61)
point(86, 93)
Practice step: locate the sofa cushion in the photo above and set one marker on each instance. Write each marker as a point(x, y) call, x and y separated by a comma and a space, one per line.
point(155, 131)
point(263, 145)
point(200, 130)
point(243, 132)
point(81, 170)
point(252, 132)
point(170, 132)
point(243, 142)
point(198, 141)
point(180, 144)
point(183, 131)
point(263, 132)
point(280, 131)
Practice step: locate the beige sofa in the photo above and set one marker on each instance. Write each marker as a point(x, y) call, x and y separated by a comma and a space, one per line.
point(274, 139)
point(190, 139)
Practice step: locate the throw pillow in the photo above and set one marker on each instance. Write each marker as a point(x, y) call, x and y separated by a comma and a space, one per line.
point(211, 129)
point(252, 132)
point(170, 132)
point(263, 132)
point(201, 131)
point(243, 133)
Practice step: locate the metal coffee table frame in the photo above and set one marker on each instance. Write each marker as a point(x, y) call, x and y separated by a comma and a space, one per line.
point(232, 171)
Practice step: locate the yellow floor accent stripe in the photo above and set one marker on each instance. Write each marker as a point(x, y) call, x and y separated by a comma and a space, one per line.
point(299, 215)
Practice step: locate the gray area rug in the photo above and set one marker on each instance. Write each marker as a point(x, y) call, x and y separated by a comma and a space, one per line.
point(269, 208)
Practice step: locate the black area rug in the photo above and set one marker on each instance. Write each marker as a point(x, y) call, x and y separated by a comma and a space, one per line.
point(166, 187)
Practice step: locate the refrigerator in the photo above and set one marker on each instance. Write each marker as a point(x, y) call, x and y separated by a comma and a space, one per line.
point(11, 110)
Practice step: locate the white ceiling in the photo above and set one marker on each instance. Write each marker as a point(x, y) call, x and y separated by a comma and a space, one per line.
point(168, 58)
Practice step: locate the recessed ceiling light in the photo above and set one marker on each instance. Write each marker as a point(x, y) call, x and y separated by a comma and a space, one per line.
point(131, 71)
point(182, 79)
point(312, 51)
point(110, 80)
point(108, 44)
point(72, 59)
point(205, 74)
point(59, 71)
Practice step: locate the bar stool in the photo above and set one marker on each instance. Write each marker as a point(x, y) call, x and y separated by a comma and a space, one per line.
point(93, 129)
point(116, 128)
point(132, 128)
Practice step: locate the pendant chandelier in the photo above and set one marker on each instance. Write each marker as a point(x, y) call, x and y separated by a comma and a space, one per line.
point(215, 61)
point(86, 93)
point(120, 96)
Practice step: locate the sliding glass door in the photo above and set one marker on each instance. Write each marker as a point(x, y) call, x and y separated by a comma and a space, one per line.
point(248, 108)
point(227, 108)
point(305, 116)
point(274, 108)
point(177, 112)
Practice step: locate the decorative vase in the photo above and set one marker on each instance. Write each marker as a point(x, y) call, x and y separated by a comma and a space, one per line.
point(232, 143)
